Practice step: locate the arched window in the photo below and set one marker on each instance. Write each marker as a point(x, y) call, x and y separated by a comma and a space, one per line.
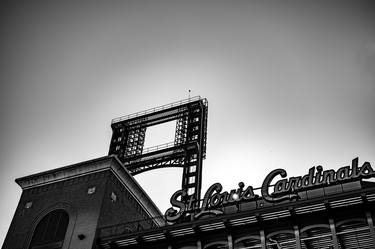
point(354, 233)
point(316, 236)
point(252, 241)
point(50, 231)
point(217, 245)
point(281, 239)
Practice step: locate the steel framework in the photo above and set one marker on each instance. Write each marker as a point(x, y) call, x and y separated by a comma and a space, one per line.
point(187, 151)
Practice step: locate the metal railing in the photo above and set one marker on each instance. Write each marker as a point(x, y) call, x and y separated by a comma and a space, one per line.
point(132, 226)
point(158, 147)
point(257, 204)
point(155, 109)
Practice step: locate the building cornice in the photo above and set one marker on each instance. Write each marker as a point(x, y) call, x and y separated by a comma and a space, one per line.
point(65, 173)
point(107, 163)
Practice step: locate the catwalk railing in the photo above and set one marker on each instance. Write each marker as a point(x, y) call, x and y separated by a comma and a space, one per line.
point(158, 147)
point(156, 109)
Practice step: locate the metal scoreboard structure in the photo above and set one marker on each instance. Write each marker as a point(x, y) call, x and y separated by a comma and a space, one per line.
point(186, 151)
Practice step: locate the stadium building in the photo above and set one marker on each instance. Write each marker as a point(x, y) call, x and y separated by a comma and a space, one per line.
point(99, 204)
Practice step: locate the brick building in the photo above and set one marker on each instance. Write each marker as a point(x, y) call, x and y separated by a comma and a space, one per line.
point(99, 204)
point(81, 198)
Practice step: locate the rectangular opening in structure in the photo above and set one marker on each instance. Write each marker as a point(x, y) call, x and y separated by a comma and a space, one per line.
point(159, 136)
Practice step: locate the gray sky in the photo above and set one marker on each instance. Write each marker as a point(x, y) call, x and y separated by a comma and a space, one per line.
point(290, 84)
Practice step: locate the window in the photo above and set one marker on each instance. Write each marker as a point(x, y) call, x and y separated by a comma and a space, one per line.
point(318, 236)
point(192, 169)
point(91, 190)
point(194, 137)
point(190, 191)
point(249, 242)
point(354, 233)
point(191, 179)
point(28, 204)
point(50, 231)
point(219, 245)
point(193, 158)
point(282, 239)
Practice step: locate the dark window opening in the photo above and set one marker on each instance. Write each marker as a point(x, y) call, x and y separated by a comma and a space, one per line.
point(50, 232)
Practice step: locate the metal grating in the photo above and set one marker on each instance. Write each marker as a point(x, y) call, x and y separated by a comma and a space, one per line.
point(281, 240)
point(250, 243)
point(243, 221)
point(212, 226)
point(310, 208)
point(355, 235)
point(153, 237)
point(317, 238)
point(371, 197)
point(182, 232)
point(346, 202)
point(275, 215)
point(105, 246)
point(317, 242)
point(126, 242)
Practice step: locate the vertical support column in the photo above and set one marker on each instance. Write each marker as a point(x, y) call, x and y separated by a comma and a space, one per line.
point(370, 223)
point(295, 227)
point(229, 234)
point(198, 236)
point(118, 141)
point(263, 238)
point(139, 242)
point(202, 144)
point(191, 180)
point(333, 231)
point(230, 241)
point(199, 244)
point(168, 238)
point(297, 236)
point(190, 175)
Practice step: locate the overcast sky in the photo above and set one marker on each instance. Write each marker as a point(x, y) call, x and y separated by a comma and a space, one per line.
point(290, 84)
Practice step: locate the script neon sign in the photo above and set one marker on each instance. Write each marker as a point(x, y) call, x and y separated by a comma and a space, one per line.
point(284, 189)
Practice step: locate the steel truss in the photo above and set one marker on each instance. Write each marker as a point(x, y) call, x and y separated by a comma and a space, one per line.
point(187, 151)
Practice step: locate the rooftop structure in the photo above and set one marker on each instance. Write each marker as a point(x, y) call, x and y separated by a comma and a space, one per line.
point(187, 151)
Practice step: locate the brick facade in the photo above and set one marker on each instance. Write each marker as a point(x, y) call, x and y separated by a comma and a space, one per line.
point(93, 193)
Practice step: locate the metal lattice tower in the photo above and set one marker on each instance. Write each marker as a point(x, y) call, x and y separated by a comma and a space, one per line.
point(187, 151)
